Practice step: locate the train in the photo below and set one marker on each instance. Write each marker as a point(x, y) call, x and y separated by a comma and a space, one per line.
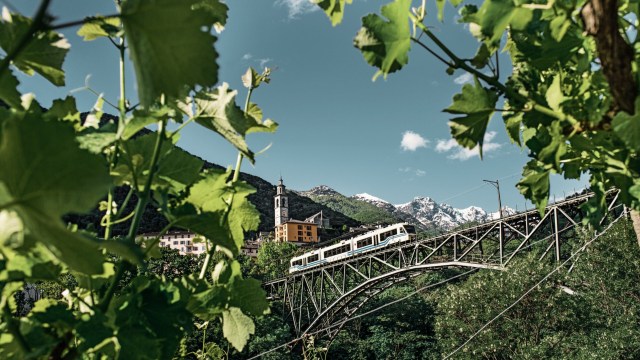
point(369, 241)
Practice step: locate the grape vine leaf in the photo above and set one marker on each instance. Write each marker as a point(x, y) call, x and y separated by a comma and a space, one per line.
point(47, 175)
point(534, 184)
point(333, 8)
point(171, 45)
point(494, 16)
point(9, 89)
point(237, 327)
point(99, 27)
point(627, 127)
point(142, 118)
point(44, 54)
point(229, 202)
point(176, 168)
point(477, 104)
point(386, 44)
point(217, 110)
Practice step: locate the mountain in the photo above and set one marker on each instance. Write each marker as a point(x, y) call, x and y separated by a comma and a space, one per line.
point(361, 211)
point(424, 212)
point(443, 216)
point(300, 207)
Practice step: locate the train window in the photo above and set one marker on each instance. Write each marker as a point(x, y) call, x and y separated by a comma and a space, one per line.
point(364, 242)
point(312, 258)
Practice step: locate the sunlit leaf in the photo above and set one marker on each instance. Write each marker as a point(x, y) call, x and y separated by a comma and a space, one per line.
point(384, 43)
point(477, 104)
point(333, 8)
point(217, 110)
point(44, 54)
point(171, 45)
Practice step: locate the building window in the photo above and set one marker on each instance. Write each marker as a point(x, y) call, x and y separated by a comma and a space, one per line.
point(175, 242)
point(299, 226)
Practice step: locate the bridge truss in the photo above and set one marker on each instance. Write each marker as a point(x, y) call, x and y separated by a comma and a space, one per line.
point(322, 297)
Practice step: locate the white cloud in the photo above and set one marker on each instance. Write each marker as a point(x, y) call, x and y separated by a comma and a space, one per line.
point(263, 62)
point(463, 79)
point(246, 56)
point(446, 145)
point(460, 153)
point(298, 7)
point(411, 141)
point(416, 172)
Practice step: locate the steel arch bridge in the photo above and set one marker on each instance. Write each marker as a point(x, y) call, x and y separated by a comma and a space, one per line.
point(321, 297)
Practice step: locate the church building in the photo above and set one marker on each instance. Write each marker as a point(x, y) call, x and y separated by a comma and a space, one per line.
point(287, 229)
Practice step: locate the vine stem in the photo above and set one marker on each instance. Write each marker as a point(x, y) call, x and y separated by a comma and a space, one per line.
point(35, 26)
point(143, 200)
point(236, 176)
point(87, 20)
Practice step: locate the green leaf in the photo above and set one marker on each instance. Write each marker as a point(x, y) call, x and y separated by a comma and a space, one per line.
point(554, 94)
point(237, 327)
point(481, 59)
point(494, 16)
point(385, 44)
point(513, 124)
point(176, 168)
point(217, 111)
point(44, 54)
point(534, 185)
point(477, 104)
point(627, 127)
point(9, 89)
point(64, 109)
point(559, 26)
point(143, 118)
point(230, 204)
point(47, 175)
point(171, 45)
point(333, 8)
point(99, 27)
point(248, 295)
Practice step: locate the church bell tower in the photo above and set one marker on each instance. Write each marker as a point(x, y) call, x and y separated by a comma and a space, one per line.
point(281, 204)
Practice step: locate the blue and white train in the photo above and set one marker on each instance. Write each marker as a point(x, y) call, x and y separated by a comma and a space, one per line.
point(372, 240)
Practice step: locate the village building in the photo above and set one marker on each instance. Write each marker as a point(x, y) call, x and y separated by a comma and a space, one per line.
point(292, 230)
point(187, 243)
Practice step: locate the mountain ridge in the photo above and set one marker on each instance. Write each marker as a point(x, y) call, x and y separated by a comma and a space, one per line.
point(422, 211)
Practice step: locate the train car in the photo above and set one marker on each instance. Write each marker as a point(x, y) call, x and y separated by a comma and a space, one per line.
point(306, 260)
point(372, 240)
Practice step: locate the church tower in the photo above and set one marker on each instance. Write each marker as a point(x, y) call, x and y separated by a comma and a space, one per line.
point(281, 204)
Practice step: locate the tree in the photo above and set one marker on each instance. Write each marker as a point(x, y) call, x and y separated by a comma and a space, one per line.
point(273, 259)
point(571, 98)
point(588, 311)
point(55, 163)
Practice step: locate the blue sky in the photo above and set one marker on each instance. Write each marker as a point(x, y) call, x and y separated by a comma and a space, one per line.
point(388, 138)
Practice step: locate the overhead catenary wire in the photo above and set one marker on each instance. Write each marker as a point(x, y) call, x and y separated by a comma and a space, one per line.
point(483, 327)
point(363, 314)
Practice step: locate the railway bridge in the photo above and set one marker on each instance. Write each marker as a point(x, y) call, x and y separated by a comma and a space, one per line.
point(322, 297)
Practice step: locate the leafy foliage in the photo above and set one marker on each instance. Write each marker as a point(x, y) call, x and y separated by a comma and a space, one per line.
point(570, 94)
point(591, 311)
point(106, 295)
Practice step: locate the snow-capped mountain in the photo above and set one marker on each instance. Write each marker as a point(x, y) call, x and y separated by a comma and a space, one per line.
point(429, 214)
point(423, 212)
point(444, 216)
